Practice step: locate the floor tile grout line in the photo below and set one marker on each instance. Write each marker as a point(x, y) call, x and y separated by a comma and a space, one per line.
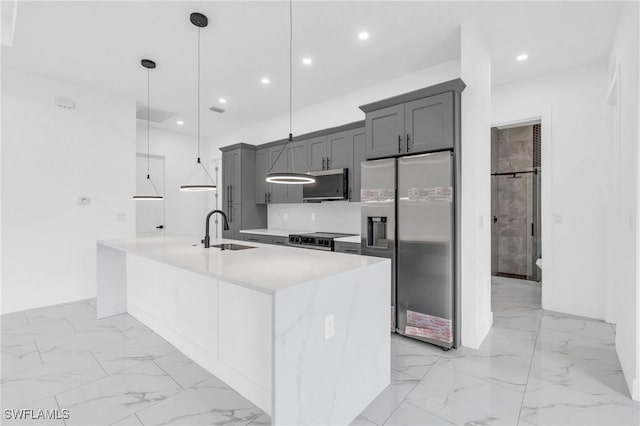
point(169, 375)
point(39, 354)
point(526, 385)
point(99, 363)
point(55, 398)
point(139, 419)
point(409, 393)
point(26, 318)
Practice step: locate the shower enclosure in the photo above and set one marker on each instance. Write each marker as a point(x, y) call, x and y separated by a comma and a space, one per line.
point(515, 201)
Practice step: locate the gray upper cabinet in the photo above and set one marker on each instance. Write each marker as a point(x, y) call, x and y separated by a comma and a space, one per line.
point(238, 188)
point(296, 162)
point(429, 123)
point(385, 130)
point(262, 167)
point(359, 146)
point(317, 153)
point(421, 121)
point(231, 177)
point(340, 151)
point(277, 193)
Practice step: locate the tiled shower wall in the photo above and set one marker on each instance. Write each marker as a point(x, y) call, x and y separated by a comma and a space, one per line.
point(512, 201)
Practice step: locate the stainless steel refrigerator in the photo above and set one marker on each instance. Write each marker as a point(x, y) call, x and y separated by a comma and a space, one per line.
point(408, 216)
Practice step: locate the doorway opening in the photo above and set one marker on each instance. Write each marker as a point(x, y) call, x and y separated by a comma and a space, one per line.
point(516, 172)
point(149, 214)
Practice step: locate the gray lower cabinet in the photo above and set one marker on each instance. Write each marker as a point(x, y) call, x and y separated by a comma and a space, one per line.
point(238, 189)
point(351, 248)
point(265, 239)
point(256, 238)
point(281, 241)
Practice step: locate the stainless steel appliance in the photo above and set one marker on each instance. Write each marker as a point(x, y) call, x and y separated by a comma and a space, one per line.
point(316, 240)
point(329, 185)
point(408, 216)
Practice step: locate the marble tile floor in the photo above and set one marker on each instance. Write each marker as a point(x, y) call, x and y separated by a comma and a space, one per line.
point(534, 368)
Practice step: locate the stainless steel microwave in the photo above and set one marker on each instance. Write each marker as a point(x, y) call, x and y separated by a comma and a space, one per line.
point(329, 185)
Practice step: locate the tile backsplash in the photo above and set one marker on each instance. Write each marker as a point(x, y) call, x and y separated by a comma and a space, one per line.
point(330, 216)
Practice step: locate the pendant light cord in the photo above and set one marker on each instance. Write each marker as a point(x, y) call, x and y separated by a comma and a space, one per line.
point(290, 140)
point(198, 94)
point(148, 107)
point(290, 67)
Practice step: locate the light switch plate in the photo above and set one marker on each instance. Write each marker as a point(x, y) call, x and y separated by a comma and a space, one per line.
point(329, 326)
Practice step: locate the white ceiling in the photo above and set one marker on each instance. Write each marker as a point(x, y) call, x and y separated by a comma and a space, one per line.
point(100, 44)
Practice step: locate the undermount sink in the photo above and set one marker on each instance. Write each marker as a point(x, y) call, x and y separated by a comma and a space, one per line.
point(231, 246)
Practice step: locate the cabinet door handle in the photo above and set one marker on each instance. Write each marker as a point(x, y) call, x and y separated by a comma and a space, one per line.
point(328, 163)
point(408, 140)
point(231, 194)
point(399, 143)
point(323, 159)
point(268, 197)
point(350, 193)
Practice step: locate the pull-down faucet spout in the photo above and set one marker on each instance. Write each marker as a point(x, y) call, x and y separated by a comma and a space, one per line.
point(207, 241)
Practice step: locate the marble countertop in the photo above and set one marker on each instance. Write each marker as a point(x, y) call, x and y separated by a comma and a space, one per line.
point(352, 239)
point(267, 268)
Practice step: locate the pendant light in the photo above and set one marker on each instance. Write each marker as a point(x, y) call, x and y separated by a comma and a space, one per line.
point(149, 65)
point(292, 177)
point(203, 182)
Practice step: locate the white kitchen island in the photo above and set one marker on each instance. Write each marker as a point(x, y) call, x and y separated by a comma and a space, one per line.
point(261, 319)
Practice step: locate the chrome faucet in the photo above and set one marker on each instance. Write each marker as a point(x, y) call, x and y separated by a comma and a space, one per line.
point(225, 226)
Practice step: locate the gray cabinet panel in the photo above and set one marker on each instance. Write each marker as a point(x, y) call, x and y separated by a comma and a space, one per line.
point(256, 238)
point(234, 217)
point(317, 153)
point(262, 166)
point(281, 241)
point(231, 177)
point(429, 123)
point(385, 132)
point(296, 162)
point(278, 193)
point(359, 142)
point(340, 150)
point(342, 247)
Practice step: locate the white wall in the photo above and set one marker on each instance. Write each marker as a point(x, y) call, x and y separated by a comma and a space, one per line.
point(50, 157)
point(185, 212)
point(623, 182)
point(571, 106)
point(332, 216)
point(475, 187)
point(339, 110)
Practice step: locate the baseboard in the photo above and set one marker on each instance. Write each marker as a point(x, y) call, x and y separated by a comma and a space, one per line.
point(628, 370)
point(42, 300)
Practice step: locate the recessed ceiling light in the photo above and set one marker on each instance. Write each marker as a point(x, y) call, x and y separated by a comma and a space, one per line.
point(522, 57)
point(222, 100)
point(306, 61)
point(363, 35)
point(179, 122)
point(265, 80)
